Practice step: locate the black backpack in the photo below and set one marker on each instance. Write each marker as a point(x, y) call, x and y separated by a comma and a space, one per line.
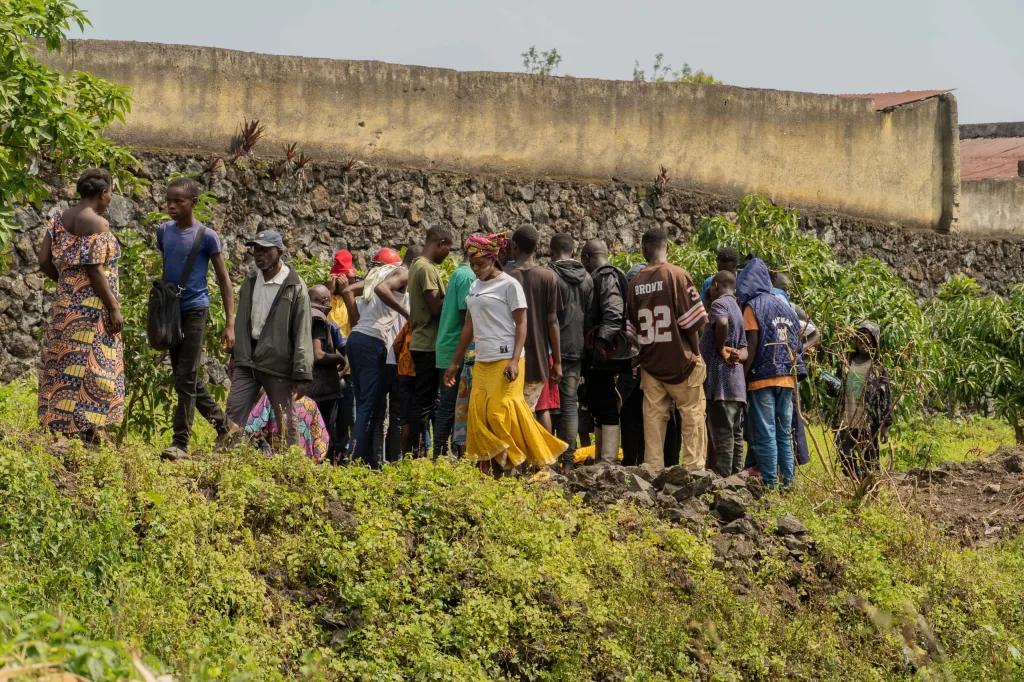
point(163, 321)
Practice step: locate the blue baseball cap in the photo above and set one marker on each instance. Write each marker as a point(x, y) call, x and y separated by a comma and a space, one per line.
point(267, 238)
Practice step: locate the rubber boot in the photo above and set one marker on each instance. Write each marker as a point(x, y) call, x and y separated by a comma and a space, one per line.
point(609, 448)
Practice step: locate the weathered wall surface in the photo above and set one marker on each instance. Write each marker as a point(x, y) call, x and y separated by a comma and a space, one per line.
point(990, 208)
point(811, 151)
point(329, 207)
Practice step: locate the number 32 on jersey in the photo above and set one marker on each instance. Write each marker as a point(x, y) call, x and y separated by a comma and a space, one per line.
point(655, 326)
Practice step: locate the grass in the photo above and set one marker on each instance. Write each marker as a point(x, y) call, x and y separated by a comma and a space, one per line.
point(236, 566)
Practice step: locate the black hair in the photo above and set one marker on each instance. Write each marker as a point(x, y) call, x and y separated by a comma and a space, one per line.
point(746, 260)
point(656, 236)
point(439, 233)
point(562, 244)
point(190, 186)
point(727, 254)
point(725, 278)
point(526, 238)
point(93, 183)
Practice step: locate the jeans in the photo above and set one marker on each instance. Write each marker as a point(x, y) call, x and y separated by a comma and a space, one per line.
point(444, 421)
point(569, 424)
point(192, 391)
point(725, 421)
point(368, 356)
point(771, 423)
point(246, 383)
point(345, 419)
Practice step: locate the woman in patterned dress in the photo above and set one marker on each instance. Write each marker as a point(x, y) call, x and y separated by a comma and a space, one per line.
point(81, 373)
point(314, 439)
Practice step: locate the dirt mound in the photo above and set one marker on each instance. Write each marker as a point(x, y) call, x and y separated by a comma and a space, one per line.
point(980, 502)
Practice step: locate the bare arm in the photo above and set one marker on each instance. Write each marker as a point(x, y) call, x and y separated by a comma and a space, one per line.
point(396, 281)
point(465, 339)
point(46, 259)
point(227, 294)
point(322, 357)
point(753, 336)
point(101, 286)
point(349, 292)
point(692, 337)
point(512, 370)
point(721, 333)
point(554, 341)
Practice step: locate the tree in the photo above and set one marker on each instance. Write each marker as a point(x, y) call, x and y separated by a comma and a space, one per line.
point(47, 116)
point(662, 72)
point(541, 63)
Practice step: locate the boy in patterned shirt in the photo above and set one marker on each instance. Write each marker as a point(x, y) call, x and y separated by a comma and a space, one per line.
point(666, 315)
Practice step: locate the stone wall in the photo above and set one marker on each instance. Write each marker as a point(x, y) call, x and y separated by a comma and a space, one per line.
point(327, 206)
point(807, 150)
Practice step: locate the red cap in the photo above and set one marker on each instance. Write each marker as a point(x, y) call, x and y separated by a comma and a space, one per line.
point(387, 256)
point(343, 264)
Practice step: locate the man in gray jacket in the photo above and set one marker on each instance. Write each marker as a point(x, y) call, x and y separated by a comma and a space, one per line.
point(273, 344)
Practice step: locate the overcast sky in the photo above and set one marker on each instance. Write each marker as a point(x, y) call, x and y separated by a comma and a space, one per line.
point(828, 46)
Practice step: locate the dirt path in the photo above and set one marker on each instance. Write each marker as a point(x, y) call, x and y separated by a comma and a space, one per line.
point(980, 502)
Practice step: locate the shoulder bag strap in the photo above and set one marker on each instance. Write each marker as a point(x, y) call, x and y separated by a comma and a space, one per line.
point(197, 243)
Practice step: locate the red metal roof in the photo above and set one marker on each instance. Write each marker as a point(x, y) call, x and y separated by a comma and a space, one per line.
point(985, 158)
point(885, 100)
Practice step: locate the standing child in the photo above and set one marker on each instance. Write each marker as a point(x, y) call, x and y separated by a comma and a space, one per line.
point(865, 409)
point(328, 363)
point(724, 347)
point(175, 240)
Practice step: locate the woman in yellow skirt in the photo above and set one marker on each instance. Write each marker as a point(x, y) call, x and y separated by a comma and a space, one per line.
point(501, 432)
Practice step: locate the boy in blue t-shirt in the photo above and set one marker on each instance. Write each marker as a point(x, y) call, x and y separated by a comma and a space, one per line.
point(174, 240)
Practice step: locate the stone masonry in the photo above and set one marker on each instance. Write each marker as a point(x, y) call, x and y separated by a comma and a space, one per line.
point(325, 207)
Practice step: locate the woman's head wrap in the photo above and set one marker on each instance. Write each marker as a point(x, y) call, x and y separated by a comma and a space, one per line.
point(484, 247)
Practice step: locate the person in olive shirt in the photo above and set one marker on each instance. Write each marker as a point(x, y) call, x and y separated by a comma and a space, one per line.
point(426, 299)
point(453, 317)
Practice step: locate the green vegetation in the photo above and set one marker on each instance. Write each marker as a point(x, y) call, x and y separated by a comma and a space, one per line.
point(662, 72)
point(47, 116)
point(235, 566)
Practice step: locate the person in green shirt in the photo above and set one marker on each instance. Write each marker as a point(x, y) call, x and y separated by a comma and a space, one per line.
point(453, 316)
point(426, 299)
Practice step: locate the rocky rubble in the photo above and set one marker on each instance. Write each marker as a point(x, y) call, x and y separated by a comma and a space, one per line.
point(701, 501)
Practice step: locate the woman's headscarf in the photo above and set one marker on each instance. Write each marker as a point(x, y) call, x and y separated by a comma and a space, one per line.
point(484, 247)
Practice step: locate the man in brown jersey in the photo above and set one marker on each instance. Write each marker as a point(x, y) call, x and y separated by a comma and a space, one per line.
point(666, 315)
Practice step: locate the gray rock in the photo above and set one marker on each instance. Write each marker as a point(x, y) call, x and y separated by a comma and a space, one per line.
point(676, 475)
point(732, 504)
point(734, 482)
point(1014, 464)
point(526, 192)
point(741, 527)
point(794, 544)
point(992, 488)
point(120, 211)
point(789, 525)
point(21, 346)
point(703, 481)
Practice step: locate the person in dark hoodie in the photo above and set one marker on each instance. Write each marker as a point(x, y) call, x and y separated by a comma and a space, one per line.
point(773, 336)
point(576, 289)
point(608, 348)
point(273, 346)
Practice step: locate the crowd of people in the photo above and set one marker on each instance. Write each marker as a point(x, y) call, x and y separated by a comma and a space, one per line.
point(509, 363)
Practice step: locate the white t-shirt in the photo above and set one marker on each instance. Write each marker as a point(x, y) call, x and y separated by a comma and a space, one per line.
point(490, 304)
point(379, 321)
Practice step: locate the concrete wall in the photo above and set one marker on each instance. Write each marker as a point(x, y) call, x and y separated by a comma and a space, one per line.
point(811, 151)
point(992, 208)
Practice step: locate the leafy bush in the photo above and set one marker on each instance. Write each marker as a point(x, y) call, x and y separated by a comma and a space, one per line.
point(278, 568)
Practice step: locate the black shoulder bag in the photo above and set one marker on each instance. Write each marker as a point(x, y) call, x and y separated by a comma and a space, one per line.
point(163, 321)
